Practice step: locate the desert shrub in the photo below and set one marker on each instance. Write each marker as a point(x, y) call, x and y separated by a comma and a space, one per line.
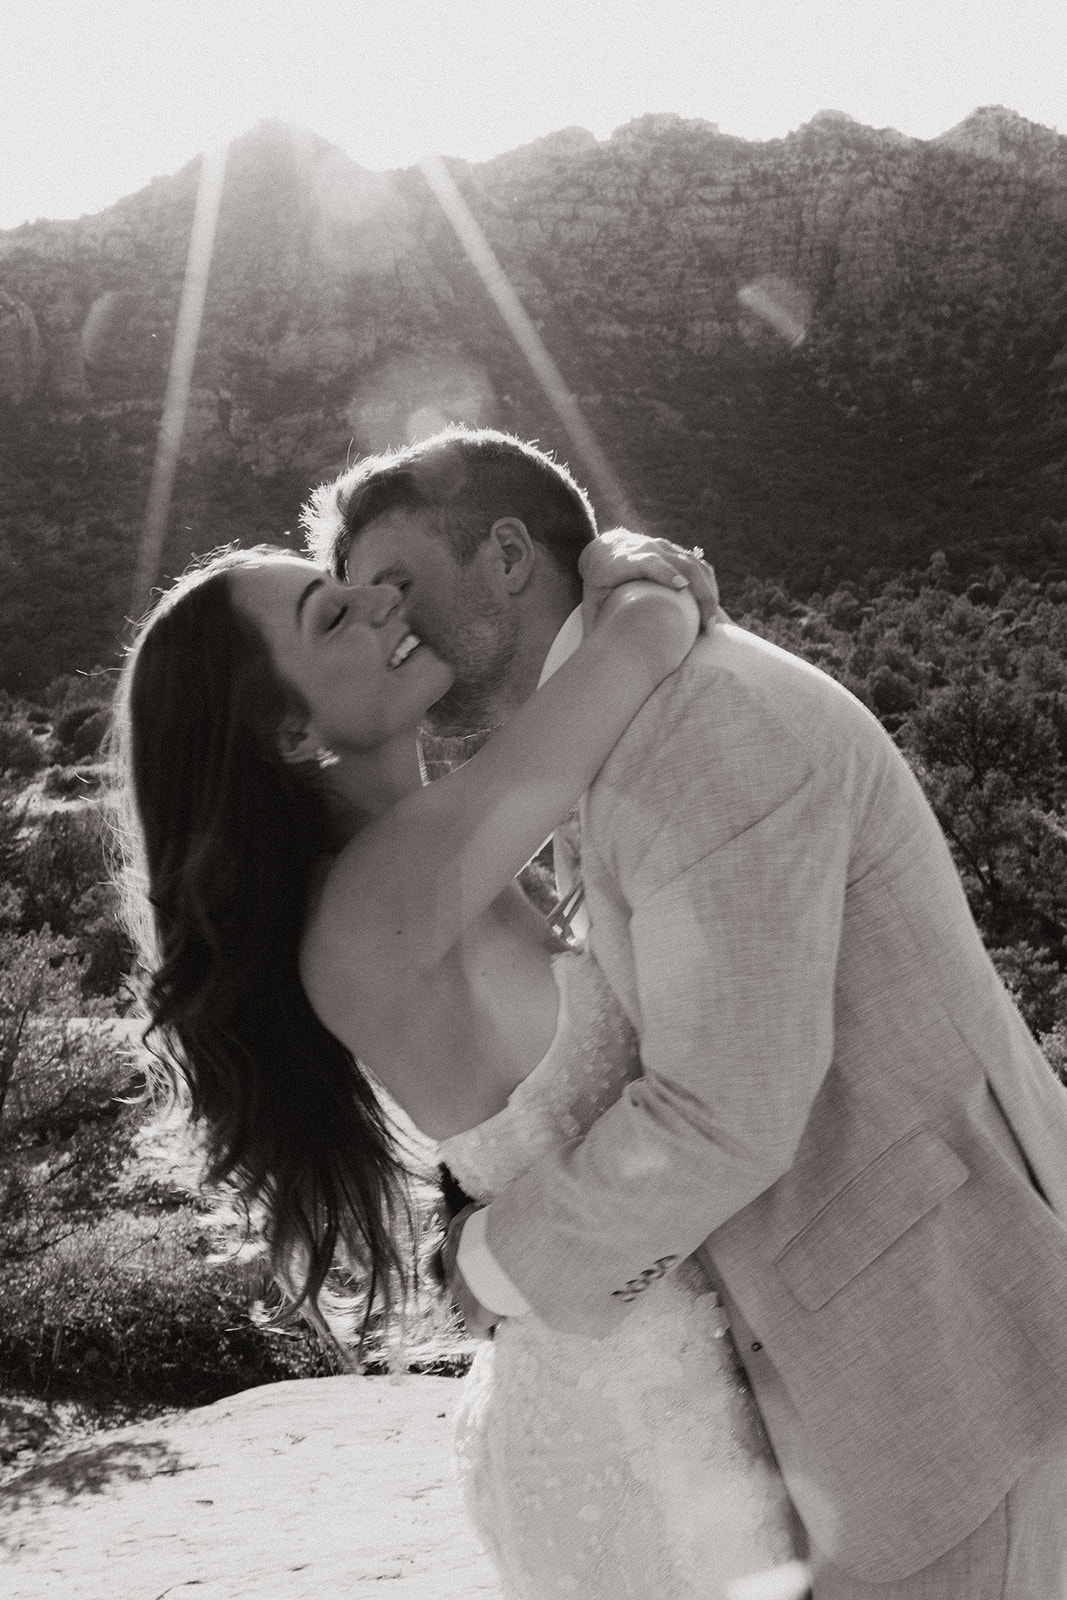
point(65, 1084)
point(12, 829)
point(128, 1307)
point(54, 874)
point(101, 1292)
point(103, 945)
point(72, 783)
point(128, 1300)
point(92, 689)
point(1037, 986)
point(41, 1055)
point(1054, 1044)
point(21, 755)
point(69, 721)
point(59, 865)
point(80, 731)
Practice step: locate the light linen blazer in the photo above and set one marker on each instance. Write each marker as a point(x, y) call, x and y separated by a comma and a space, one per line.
point(840, 1108)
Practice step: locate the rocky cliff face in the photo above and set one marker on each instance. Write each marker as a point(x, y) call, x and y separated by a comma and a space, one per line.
point(791, 348)
point(21, 351)
point(997, 134)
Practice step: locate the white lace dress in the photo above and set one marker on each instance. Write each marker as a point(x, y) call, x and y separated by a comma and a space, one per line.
point(631, 1467)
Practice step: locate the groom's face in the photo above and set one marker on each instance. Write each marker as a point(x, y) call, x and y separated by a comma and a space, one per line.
point(452, 606)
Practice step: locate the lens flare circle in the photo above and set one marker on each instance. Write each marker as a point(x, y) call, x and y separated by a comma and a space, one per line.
point(779, 305)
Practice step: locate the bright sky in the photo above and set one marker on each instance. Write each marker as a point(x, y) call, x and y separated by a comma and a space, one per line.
point(99, 96)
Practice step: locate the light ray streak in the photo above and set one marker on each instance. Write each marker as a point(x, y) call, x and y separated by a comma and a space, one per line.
point(179, 377)
point(598, 470)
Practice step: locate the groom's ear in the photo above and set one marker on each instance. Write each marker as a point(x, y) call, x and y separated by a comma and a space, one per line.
point(512, 553)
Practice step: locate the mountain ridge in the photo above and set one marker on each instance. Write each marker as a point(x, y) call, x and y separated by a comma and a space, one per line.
point(839, 349)
point(994, 131)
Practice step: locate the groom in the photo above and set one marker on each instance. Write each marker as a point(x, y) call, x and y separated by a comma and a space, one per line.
point(841, 1112)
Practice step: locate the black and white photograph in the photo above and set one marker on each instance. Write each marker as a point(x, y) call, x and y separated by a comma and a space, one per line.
point(533, 800)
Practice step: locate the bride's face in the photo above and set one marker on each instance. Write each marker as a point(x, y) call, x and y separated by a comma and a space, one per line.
point(348, 651)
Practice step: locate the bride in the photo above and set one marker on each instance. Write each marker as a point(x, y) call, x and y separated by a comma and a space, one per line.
point(307, 909)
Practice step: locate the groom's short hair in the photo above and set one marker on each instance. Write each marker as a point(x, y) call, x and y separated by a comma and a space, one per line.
point(467, 478)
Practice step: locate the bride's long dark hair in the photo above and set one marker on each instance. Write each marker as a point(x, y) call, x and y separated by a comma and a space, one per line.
point(220, 840)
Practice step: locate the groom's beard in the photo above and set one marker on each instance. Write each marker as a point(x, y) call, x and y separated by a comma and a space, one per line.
point(480, 646)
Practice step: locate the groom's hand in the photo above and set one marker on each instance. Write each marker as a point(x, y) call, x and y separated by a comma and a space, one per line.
point(478, 1322)
point(620, 557)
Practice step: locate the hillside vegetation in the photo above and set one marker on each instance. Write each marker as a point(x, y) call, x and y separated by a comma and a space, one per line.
point(817, 356)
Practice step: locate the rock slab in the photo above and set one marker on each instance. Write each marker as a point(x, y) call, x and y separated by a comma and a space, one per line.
point(293, 1491)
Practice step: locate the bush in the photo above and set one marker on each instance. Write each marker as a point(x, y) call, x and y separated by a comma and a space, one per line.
point(103, 945)
point(1054, 1045)
point(127, 1307)
point(57, 869)
point(71, 689)
point(41, 1055)
point(99, 1291)
point(72, 783)
point(81, 730)
point(1037, 986)
point(21, 754)
point(12, 826)
point(56, 878)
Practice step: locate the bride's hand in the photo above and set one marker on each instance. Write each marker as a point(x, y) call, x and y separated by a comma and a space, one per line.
point(619, 557)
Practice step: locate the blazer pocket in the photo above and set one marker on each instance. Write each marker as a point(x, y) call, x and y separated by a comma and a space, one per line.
point(874, 1209)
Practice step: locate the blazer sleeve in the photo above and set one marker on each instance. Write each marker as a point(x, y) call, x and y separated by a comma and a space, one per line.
point(727, 837)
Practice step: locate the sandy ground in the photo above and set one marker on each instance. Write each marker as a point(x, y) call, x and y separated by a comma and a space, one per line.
point(328, 1489)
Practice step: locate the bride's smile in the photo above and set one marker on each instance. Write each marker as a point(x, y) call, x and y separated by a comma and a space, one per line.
point(349, 652)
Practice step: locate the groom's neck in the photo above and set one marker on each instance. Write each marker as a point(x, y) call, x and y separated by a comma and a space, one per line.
point(536, 639)
point(540, 619)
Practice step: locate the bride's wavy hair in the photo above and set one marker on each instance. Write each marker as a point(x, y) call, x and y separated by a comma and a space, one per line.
point(219, 838)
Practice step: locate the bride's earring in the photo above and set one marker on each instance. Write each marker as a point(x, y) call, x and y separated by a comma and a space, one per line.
point(319, 757)
point(297, 751)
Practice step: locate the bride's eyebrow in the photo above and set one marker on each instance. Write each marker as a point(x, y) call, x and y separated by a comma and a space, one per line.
point(305, 594)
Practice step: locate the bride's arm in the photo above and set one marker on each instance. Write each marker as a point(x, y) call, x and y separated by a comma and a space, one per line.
point(410, 884)
point(619, 556)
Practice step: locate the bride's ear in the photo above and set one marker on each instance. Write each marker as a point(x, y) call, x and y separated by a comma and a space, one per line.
point(512, 552)
point(298, 744)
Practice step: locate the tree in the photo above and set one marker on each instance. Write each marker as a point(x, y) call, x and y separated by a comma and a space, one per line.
point(39, 995)
point(973, 687)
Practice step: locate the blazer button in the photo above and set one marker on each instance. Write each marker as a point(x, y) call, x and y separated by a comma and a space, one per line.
point(756, 1345)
